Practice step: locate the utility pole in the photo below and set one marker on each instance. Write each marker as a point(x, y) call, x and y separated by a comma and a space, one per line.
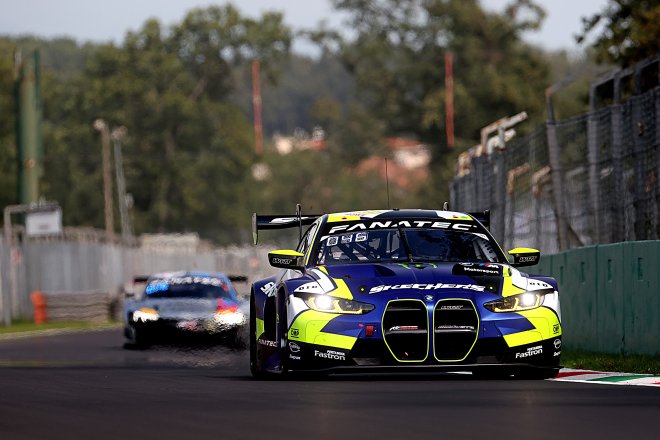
point(102, 127)
point(29, 140)
point(117, 135)
point(449, 98)
point(256, 106)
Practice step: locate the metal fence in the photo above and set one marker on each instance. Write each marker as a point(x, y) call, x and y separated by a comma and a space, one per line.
point(68, 265)
point(602, 186)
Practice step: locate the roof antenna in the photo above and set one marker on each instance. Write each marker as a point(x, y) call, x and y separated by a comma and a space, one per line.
point(387, 183)
point(445, 206)
point(299, 216)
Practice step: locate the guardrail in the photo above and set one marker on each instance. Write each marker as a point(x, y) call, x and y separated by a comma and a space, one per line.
point(610, 296)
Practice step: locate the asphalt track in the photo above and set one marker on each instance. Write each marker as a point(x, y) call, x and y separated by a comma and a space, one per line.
point(85, 385)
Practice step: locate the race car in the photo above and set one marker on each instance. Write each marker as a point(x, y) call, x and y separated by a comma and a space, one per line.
point(408, 289)
point(185, 306)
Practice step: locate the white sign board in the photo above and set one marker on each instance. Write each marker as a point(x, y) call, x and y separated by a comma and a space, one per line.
point(43, 222)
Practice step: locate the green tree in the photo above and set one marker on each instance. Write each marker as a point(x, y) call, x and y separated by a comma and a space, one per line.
point(630, 31)
point(8, 194)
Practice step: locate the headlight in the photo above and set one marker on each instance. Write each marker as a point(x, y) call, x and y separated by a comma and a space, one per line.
point(519, 302)
point(145, 314)
point(331, 304)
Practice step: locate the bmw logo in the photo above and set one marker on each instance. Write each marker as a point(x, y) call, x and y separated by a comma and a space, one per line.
point(428, 298)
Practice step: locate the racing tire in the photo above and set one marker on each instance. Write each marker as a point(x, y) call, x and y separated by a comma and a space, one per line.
point(256, 372)
point(136, 339)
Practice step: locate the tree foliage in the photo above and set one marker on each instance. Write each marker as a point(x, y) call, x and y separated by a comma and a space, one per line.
point(184, 94)
point(629, 31)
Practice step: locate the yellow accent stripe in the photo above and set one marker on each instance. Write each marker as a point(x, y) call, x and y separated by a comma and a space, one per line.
point(543, 320)
point(332, 218)
point(341, 290)
point(307, 327)
point(508, 288)
point(259, 327)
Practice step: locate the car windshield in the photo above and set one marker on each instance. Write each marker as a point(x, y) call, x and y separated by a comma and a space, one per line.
point(189, 287)
point(417, 244)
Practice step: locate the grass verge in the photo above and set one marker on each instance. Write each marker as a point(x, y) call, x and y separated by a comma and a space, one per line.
point(29, 326)
point(632, 363)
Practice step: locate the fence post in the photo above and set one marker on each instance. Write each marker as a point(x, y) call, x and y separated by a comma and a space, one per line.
point(593, 157)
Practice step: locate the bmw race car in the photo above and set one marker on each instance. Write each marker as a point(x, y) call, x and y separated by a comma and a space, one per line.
point(179, 305)
point(411, 290)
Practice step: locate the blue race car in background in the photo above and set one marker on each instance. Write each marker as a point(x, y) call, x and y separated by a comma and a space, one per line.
point(176, 306)
point(410, 290)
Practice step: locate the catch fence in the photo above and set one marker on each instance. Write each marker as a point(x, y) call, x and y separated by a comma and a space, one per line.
point(590, 179)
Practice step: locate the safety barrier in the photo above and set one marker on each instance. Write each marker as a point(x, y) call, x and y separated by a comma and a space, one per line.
point(610, 296)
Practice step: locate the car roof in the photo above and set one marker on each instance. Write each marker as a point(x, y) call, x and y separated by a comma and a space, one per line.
point(394, 214)
point(181, 274)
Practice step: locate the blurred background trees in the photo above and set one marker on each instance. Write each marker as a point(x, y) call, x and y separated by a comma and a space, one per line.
point(184, 94)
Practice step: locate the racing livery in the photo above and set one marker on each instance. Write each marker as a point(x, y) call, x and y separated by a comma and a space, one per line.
point(402, 289)
point(179, 305)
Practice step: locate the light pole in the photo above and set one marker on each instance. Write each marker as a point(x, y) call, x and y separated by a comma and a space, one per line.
point(117, 135)
point(102, 127)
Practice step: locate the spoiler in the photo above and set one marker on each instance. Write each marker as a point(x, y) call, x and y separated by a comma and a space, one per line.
point(483, 217)
point(281, 222)
point(238, 278)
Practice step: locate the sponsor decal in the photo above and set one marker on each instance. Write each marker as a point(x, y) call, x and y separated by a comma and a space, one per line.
point(404, 224)
point(531, 351)
point(456, 327)
point(436, 286)
point(527, 259)
point(457, 307)
point(397, 328)
point(465, 269)
point(278, 260)
point(268, 288)
point(557, 343)
point(295, 333)
point(557, 353)
point(266, 342)
point(295, 348)
point(295, 358)
point(330, 354)
point(555, 330)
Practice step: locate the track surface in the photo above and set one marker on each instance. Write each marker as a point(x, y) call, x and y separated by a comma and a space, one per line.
point(85, 385)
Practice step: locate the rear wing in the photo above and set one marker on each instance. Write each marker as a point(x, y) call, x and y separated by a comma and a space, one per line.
point(281, 222)
point(483, 217)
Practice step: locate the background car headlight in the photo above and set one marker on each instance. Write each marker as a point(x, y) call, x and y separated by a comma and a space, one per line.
point(519, 302)
point(331, 304)
point(145, 314)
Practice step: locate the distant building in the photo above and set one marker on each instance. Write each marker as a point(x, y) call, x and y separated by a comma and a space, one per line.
point(300, 140)
point(408, 167)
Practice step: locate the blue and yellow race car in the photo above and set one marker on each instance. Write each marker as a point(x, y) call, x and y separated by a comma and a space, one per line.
point(411, 290)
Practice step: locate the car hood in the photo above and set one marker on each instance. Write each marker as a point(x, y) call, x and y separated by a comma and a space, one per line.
point(172, 308)
point(364, 280)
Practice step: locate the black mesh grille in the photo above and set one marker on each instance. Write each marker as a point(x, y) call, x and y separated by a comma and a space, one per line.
point(456, 326)
point(405, 329)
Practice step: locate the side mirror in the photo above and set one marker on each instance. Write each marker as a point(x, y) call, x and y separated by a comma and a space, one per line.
point(525, 257)
point(286, 259)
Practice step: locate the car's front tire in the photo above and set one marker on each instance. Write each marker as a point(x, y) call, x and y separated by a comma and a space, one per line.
point(255, 370)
